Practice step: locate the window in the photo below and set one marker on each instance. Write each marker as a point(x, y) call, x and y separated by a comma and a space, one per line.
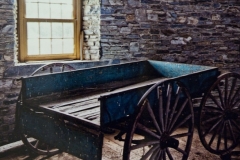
point(49, 29)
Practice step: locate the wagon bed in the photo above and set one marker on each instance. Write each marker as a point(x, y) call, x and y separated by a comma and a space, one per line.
point(86, 107)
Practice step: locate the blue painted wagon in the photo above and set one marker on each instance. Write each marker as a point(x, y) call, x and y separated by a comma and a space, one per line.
point(150, 102)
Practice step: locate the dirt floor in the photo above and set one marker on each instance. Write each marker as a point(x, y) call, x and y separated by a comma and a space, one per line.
point(112, 150)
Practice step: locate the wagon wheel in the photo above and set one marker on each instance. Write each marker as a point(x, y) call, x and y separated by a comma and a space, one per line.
point(219, 119)
point(163, 124)
point(33, 144)
point(38, 147)
point(52, 67)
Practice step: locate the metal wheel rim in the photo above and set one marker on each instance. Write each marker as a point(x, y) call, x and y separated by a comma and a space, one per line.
point(221, 117)
point(159, 152)
point(34, 145)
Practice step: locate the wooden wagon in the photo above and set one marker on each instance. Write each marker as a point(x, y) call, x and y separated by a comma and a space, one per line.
point(150, 101)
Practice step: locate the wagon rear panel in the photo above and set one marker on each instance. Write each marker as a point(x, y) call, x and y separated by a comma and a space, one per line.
point(196, 78)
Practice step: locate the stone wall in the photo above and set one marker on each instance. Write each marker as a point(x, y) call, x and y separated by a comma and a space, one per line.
point(8, 91)
point(91, 27)
point(187, 31)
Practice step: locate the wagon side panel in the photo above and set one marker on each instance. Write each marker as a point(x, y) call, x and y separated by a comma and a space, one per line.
point(199, 83)
point(84, 79)
point(117, 106)
point(78, 141)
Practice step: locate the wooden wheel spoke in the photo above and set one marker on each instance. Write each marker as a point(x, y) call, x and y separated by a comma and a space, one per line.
point(235, 95)
point(236, 125)
point(213, 127)
point(169, 95)
point(235, 104)
point(181, 135)
point(231, 132)
point(159, 156)
point(211, 119)
point(150, 152)
point(212, 138)
point(225, 137)
point(155, 154)
point(169, 154)
point(161, 109)
point(164, 154)
point(215, 101)
point(178, 114)
point(181, 151)
point(226, 92)
point(234, 81)
point(145, 129)
point(174, 107)
point(220, 137)
point(181, 123)
point(143, 143)
point(220, 96)
point(153, 117)
point(211, 108)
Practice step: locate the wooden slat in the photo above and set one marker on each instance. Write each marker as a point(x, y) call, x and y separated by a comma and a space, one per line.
point(87, 112)
point(83, 108)
point(70, 107)
point(72, 100)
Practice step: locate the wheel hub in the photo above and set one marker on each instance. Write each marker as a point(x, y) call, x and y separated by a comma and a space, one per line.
point(228, 115)
point(167, 141)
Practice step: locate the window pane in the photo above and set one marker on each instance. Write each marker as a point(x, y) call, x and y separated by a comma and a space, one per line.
point(68, 46)
point(57, 46)
point(66, 1)
point(68, 30)
point(33, 46)
point(30, 1)
point(55, 1)
point(57, 30)
point(45, 30)
point(43, 0)
point(32, 30)
point(67, 11)
point(45, 46)
point(31, 10)
point(44, 10)
point(56, 11)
